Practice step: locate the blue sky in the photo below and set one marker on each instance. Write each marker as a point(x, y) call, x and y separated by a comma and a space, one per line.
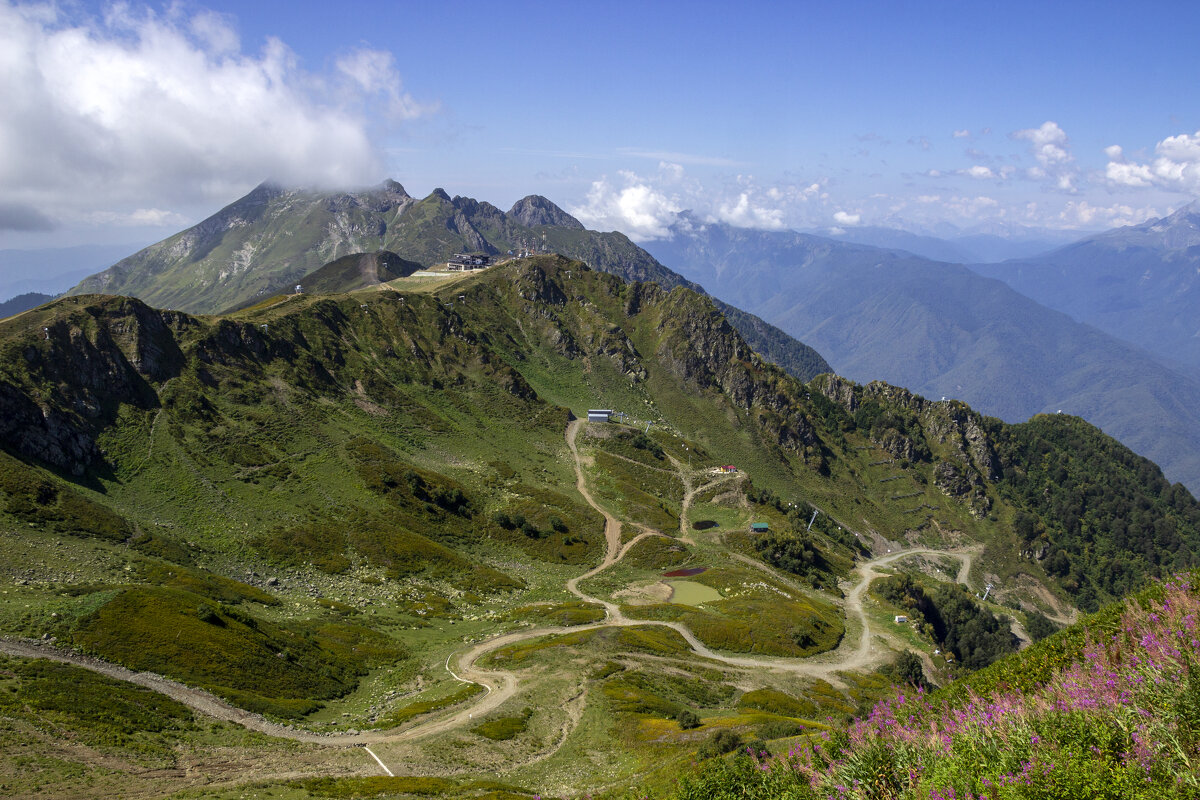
point(133, 120)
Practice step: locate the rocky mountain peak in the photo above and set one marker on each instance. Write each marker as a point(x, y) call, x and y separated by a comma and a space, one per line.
point(536, 210)
point(393, 187)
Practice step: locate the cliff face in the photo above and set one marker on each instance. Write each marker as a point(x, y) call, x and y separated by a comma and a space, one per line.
point(68, 378)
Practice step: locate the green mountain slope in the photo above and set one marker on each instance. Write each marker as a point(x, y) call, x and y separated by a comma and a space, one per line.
point(318, 506)
point(271, 239)
point(942, 330)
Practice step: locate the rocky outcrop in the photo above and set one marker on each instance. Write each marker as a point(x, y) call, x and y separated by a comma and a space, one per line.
point(535, 285)
point(963, 484)
point(614, 344)
point(839, 390)
point(954, 424)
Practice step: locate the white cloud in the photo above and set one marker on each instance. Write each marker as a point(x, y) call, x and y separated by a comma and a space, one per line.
point(374, 73)
point(1049, 143)
point(137, 110)
point(215, 32)
point(636, 209)
point(978, 172)
point(744, 212)
point(963, 134)
point(1050, 146)
point(1176, 167)
point(1084, 214)
point(971, 208)
point(645, 207)
point(842, 218)
point(1133, 175)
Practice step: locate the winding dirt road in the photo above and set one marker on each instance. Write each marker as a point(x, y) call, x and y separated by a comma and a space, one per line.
point(500, 685)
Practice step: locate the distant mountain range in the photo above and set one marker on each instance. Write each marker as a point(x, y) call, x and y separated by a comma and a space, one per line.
point(956, 247)
point(1140, 283)
point(942, 330)
point(272, 238)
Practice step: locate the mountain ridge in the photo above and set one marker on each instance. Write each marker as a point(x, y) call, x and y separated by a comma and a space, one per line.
point(269, 240)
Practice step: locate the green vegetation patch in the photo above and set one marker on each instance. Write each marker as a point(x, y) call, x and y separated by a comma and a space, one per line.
point(48, 502)
point(646, 496)
point(383, 540)
point(81, 706)
point(665, 695)
point(501, 729)
point(412, 710)
point(770, 626)
point(378, 786)
point(1104, 518)
point(654, 639)
point(257, 664)
point(519, 652)
point(410, 786)
point(548, 525)
point(952, 617)
point(776, 702)
point(657, 553)
point(207, 584)
point(575, 612)
point(632, 444)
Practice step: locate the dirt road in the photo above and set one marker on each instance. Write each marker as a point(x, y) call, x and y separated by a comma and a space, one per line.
point(501, 685)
